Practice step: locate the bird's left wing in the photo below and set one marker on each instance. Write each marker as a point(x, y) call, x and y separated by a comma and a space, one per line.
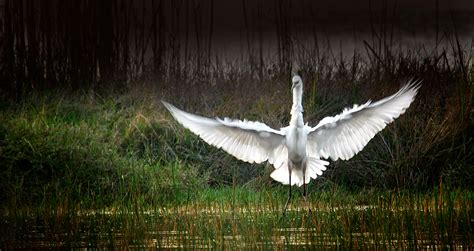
point(249, 141)
point(344, 135)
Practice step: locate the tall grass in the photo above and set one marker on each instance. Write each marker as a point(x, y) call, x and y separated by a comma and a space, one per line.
point(89, 147)
point(244, 218)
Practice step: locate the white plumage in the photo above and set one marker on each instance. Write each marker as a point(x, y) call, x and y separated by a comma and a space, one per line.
point(296, 150)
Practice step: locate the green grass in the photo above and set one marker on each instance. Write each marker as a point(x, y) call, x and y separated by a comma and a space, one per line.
point(90, 149)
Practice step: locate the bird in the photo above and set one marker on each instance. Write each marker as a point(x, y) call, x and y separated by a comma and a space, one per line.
point(298, 151)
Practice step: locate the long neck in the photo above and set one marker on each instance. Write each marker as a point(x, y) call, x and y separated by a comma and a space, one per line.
point(297, 108)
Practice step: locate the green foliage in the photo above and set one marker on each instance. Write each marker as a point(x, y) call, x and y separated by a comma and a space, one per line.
point(87, 150)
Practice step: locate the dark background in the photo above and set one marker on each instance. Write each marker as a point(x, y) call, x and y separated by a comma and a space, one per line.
point(98, 44)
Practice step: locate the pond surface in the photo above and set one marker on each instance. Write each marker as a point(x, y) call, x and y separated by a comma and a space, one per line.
point(242, 228)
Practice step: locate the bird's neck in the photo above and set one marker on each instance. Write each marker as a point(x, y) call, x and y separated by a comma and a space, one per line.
point(297, 108)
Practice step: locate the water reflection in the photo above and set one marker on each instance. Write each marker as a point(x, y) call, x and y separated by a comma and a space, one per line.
point(174, 228)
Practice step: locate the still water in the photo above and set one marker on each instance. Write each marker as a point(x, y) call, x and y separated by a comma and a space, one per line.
point(239, 228)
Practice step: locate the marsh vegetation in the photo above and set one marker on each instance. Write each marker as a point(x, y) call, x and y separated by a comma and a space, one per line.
point(90, 158)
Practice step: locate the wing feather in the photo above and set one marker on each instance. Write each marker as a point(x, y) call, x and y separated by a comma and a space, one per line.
point(344, 135)
point(249, 141)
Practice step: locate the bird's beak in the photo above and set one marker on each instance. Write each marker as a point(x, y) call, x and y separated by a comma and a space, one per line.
point(293, 86)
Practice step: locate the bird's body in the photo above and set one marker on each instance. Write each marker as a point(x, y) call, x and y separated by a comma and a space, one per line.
point(296, 150)
point(296, 139)
point(296, 144)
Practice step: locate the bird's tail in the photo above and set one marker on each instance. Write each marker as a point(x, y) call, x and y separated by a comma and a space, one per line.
point(314, 168)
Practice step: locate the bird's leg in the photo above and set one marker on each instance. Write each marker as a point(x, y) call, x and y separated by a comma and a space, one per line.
point(289, 192)
point(304, 194)
point(304, 186)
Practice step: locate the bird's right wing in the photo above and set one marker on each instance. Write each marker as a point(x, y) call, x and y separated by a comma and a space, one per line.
point(249, 141)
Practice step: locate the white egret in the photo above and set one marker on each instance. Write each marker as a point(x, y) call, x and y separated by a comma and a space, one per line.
point(296, 150)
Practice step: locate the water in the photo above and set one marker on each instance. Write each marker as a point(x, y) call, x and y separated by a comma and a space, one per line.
point(246, 227)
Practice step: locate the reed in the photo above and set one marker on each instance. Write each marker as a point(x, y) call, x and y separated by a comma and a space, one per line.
point(88, 158)
point(251, 219)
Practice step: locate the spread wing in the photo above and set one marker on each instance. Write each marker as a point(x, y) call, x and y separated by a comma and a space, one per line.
point(344, 135)
point(249, 141)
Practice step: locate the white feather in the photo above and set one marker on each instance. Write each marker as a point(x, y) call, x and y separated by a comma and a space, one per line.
point(249, 141)
point(346, 134)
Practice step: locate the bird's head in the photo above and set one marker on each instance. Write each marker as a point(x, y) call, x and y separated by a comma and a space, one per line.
point(297, 82)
